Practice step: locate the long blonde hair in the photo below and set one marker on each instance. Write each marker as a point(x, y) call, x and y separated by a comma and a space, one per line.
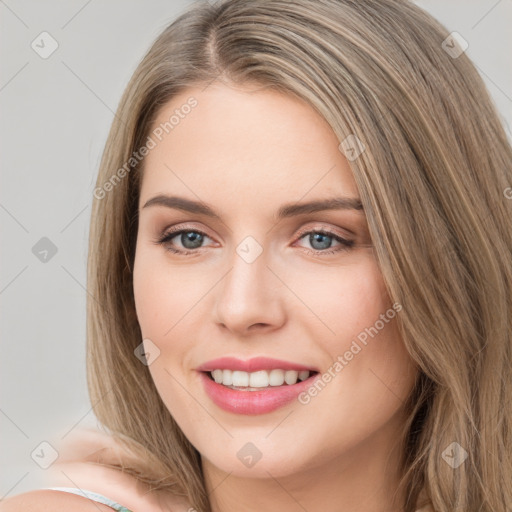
point(432, 180)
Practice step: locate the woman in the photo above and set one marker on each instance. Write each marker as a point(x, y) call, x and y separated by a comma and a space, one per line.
point(300, 271)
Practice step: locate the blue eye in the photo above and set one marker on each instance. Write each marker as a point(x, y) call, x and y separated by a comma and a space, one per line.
point(192, 239)
point(189, 243)
point(323, 240)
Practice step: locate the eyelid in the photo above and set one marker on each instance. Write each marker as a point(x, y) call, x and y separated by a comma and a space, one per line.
point(179, 229)
point(344, 243)
point(327, 229)
point(176, 228)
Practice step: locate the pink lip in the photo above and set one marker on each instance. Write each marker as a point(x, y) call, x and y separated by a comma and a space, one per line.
point(251, 365)
point(254, 402)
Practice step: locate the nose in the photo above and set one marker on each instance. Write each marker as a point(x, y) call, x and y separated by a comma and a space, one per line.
point(249, 298)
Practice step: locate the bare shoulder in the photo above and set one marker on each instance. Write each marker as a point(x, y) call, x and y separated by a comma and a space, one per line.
point(81, 464)
point(44, 500)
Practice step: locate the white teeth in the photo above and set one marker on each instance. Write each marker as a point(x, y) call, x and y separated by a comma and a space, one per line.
point(276, 378)
point(240, 378)
point(290, 377)
point(303, 375)
point(259, 379)
point(227, 377)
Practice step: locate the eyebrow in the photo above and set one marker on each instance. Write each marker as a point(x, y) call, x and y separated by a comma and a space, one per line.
point(287, 210)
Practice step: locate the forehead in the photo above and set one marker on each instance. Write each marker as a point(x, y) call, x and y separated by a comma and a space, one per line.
point(238, 142)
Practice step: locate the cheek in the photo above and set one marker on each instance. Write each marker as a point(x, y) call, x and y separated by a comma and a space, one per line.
point(150, 302)
point(162, 293)
point(358, 320)
point(369, 326)
point(160, 303)
point(368, 307)
point(343, 300)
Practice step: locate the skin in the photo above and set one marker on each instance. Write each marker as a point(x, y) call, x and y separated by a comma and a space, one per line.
point(246, 151)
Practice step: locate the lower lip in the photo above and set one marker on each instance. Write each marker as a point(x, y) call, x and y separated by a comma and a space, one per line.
point(254, 402)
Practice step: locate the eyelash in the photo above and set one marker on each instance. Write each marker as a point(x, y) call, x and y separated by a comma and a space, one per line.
point(344, 243)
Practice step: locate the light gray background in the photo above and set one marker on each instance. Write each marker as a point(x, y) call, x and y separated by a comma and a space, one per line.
point(56, 114)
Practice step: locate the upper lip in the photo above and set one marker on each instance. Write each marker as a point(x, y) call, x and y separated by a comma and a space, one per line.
point(251, 365)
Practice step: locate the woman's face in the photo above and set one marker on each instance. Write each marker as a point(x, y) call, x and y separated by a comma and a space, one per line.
point(245, 282)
